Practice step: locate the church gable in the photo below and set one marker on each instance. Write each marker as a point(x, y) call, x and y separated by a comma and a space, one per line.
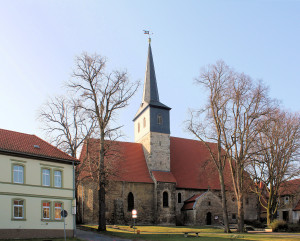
point(125, 159)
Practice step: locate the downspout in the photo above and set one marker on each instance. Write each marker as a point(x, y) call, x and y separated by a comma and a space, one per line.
point(74, 201)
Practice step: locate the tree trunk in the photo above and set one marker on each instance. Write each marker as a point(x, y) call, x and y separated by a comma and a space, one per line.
point(102, 219)
point(224, 205)
point(240, 228)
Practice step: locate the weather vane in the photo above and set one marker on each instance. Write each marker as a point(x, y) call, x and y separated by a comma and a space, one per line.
point(149, 33)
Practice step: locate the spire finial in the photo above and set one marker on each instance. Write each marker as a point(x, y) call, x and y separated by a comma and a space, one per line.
point(148, 32)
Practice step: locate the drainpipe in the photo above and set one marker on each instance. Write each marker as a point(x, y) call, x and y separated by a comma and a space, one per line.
point(74, 200)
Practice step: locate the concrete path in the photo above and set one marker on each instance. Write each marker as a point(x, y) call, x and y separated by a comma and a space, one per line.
point(93, 236)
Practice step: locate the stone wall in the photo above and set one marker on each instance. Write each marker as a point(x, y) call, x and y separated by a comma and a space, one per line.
point(156, 148)
point(166, 215)
point(117, 202)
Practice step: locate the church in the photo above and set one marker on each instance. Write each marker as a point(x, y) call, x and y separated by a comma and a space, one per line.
point(168, 180)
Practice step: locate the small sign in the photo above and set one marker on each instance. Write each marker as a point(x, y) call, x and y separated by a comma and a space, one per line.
point(64, 213)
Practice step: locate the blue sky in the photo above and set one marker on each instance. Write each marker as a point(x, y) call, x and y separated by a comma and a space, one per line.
point(39, 40)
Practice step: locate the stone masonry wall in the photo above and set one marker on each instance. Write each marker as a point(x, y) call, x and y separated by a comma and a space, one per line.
point(166, 215)
point(156, 148)
point(117, 202)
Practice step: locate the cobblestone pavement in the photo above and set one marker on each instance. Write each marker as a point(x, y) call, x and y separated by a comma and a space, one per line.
point(93, 236)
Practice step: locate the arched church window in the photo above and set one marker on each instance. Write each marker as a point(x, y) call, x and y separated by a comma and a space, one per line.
point(144, 122)
point(165, 199)
point(130, 201)
point(159, 119)
point(179, 197)
point(139, 127)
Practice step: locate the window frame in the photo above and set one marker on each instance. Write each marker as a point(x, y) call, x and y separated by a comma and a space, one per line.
point(159, 119)
point(54, 209)
point(13, 218)
point(286, 200)
point(12, 172)
point(42, 177)
point(61, 178)
point(129, 210)
point(42, 210)
point(165, 202)
point(179, 197)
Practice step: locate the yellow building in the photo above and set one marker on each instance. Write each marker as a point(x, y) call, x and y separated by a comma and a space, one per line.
point(36, 184)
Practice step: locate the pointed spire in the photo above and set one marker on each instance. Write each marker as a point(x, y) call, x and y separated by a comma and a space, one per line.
point(150, 93)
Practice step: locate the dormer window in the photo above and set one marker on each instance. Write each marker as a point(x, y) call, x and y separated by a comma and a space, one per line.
point(159, 119)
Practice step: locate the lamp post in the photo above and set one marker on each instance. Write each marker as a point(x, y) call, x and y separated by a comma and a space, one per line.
point(134, 216)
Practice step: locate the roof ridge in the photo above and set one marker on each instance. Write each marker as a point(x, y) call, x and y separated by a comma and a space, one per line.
point(17, 132)
point(184, 138)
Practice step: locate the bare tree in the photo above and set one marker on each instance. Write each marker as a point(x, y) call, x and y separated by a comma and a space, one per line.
point(102, 95)
point(249, 103)
point(207, 124)
point(234, 110)
point(66, 126)
point(277, 159)
point(65, 123)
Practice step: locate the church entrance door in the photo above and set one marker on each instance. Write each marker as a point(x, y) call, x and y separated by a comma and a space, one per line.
point(208, 218)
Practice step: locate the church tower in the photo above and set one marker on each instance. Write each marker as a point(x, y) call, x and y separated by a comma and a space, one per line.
point(152, 122)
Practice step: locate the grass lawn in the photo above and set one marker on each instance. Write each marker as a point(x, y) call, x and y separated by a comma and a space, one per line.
point(175, 233)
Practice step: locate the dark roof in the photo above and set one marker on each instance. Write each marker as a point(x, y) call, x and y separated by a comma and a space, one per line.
point(126, 161)
point(192, 167)
point(162, 176)
point(150, 93)
point(30, 146)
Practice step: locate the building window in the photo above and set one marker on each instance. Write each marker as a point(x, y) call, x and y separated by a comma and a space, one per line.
point(18, 209)
point(286, 199)
point(165, 199)
point(209, 203)
point(46, 177)
point(130, 201)
point(159, 119)
point(57, 178)
point(46, 210)
point(179, 197)
point(144, 122)
point(139, 127)
point(233, 216)
point(57, 211)
point(247, 201)
point(18, 174)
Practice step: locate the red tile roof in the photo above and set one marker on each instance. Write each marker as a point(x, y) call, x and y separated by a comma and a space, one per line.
point(297, 207)
point(191, 165)
point(16, 143)
point(162, 176)
point(126, 161)
point(189, 203)
point(290, 187)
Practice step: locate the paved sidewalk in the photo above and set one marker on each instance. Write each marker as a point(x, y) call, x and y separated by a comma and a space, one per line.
point(93, 236)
